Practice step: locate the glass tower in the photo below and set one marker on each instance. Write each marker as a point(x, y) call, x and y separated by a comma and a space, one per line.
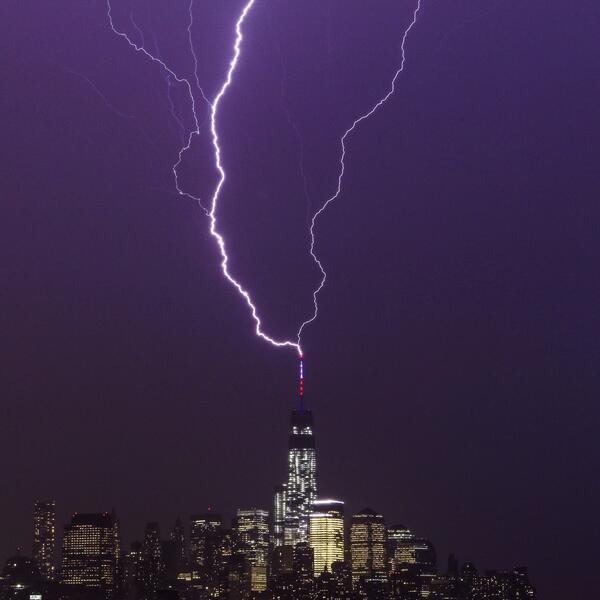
point(326, 534)
point(301, 489)
point(279, 511)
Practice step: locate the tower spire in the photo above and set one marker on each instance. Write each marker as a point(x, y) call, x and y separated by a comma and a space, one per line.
point(301, 383)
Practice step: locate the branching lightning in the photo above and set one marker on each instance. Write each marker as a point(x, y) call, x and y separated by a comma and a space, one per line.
point(342, 163)
point(237, 49)
point(100, 95)
point(214, 106)
point(183, 80)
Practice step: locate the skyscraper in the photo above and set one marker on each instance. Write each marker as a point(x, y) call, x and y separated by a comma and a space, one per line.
point(278, 517)
point(367, 545)
point(400, 546)
point(90, 552)
point(178, 537)
point(130, 573)
point(303, 566)
point(151, 566)
point(44, 537)
point(204, 538)
point(326, 534)
point(412, 560)
point(301, 490)
point(252, 542)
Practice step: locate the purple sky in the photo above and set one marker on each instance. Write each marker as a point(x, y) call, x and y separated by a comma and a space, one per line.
point(453, 370)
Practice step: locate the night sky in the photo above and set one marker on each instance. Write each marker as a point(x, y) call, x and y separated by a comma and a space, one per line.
point(454, 368)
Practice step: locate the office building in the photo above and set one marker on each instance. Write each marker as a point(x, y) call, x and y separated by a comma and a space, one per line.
point(326, 534)
point(90, 552)
point(278, 516)
point(252, 542)
point(44, 537)
point(151, 564)
point(205, 534)
point(367, 545)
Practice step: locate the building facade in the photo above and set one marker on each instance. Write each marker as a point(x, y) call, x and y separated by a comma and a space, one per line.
point(252, 542)
point(205, 530)
point(301, 490)
point(278, 516)
point(90, 552)
point(44, 537)
point(326, 534)
point(151, 563)
point(368, 545)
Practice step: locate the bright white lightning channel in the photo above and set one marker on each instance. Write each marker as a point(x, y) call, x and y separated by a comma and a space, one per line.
point(237, 49)
point(214, 110)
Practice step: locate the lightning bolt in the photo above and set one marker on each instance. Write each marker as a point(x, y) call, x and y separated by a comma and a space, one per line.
point(214, 106)
point(237, 49)
point(183, 80)
point(342, 170)
point(98, 93)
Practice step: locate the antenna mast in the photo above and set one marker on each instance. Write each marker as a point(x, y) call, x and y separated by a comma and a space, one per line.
point(301, 383)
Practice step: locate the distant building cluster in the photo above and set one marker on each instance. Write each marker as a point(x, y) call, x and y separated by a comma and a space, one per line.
point(303, 549)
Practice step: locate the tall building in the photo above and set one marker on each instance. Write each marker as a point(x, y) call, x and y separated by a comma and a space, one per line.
point(426, 561)
point(44, 537)
point(301, 490)
point(411, 558)
point(252, 542)
point(90, 552)
point(150, 565)
point(278, 516)
point(178, 537)
point(326, 534)
point(367, 545)
point(303, 570)
point(130, 573)
point(400, 547)
point(205, 530)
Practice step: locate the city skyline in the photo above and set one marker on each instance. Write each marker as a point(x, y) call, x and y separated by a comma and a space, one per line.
point(453, 368)
point(319, 555)
point(301, 437)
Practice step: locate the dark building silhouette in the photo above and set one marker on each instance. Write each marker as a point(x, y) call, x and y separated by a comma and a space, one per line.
point(178, 538)
point(130, 572)
point(468, 584)
point(205, 534)
point(303, 570)
point(44, 537)
point(151, 562)
point(342, 580)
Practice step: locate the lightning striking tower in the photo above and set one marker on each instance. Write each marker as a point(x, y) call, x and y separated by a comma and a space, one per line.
point(214, 231)
point(342, 170)
point(214, 106)
point(301, 382)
